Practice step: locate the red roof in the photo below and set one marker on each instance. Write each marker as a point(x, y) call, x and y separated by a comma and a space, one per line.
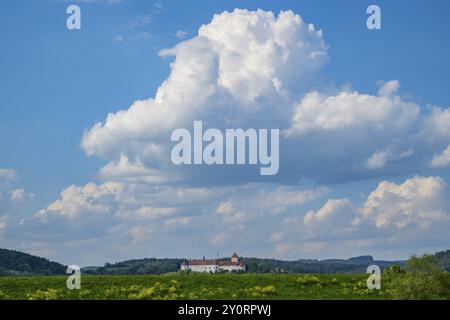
point(202, 262)
point(227, 263)
point(212, 262)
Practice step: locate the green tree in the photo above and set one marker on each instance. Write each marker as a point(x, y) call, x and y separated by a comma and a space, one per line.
point(423, 280)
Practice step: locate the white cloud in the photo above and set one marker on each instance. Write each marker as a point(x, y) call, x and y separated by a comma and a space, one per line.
point(18, 195)
point(135, 29)
point(222, 74)
point(436, 126)
point(361, 113)
point(378, 160)
point(412, 215)
point(329, 210)
point(256, 204)
point(419, 201)
point(118, 38)
point(178, 221)
point(283, 197)
point(231, 215)
point(389, 88)
point(7, 175)
point(356, 133)
point(225, 208)
point(129, 201)
point(89, 199)
point(142, 20)
point(8, 178)
point(124, 170)
point(254, 69)
point(154, 213)
point(180, 34)
point(441, 160)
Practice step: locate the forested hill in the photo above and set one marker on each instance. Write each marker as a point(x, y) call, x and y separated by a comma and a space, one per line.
point(258, 265)
point(18, 263)
point(254, 265)
point(14, 263)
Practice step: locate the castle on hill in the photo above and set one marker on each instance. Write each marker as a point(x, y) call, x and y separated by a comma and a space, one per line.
point(214, 265)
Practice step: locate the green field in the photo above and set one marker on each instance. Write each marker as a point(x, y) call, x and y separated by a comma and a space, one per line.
point(204, 286)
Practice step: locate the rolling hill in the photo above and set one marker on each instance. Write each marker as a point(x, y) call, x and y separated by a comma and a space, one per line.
point(15, 263)
point(18, 263)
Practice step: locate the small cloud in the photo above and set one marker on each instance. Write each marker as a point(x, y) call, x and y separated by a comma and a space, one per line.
point(145, 19)
point(7, 175)
point(441, 160)
point(378, 160)
point(332, 208)
point(140, 36)
point(389, 88)
point(131, 30)
point(118, 38)
point(20, 195)
point(141, 21)
point(154, 213)
point(178, 221)
point(181, 34)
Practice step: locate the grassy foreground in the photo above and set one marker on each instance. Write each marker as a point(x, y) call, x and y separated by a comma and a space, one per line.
point(199, 286)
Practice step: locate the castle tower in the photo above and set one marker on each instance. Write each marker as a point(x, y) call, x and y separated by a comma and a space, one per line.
point(234, 258)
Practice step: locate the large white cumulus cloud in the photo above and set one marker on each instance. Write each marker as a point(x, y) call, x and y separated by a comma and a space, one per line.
point(238, 64)
point(88, 199)
point(420, 201)
point(252, 69)
point(361, 113)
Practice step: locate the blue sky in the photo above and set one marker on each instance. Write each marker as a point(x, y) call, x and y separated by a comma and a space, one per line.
point(56, 84)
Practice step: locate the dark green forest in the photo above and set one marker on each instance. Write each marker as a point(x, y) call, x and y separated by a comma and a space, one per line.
point(17, 263)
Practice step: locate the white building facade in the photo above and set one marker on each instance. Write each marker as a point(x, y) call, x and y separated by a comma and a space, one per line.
point(213, 266)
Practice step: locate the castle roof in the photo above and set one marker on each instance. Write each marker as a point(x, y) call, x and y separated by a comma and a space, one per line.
point(213, 262)
point(202, 262)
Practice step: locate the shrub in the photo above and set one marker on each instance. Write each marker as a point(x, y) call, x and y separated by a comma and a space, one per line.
point(259, 291)
point(422, 280)
point(394, 269)
point(49, 294)
point(307, 279)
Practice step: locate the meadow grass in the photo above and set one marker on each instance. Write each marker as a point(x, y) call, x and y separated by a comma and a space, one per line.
point(194, 286)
